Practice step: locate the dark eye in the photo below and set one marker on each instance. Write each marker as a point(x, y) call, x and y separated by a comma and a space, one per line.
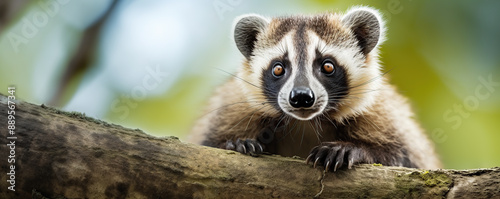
point(328, 67)
point(278, 70)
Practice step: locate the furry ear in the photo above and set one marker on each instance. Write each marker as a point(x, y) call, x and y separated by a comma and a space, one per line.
point(246, 30)
point(367, 26)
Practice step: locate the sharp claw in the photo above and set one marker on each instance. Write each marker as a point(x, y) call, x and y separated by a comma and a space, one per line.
point(309, 158)
point(335, 168)
point(253, 147)
point(349, 165)
point(244, 149)
point(261, 149)
point(315, 162)
point(327, 166)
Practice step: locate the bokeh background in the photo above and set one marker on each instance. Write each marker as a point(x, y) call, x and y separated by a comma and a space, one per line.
point(151, 64)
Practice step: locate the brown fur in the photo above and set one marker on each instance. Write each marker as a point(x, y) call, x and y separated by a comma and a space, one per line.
point(386, 127)
point(374, 118)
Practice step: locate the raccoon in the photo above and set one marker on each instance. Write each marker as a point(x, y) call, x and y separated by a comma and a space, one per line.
point(312, 86)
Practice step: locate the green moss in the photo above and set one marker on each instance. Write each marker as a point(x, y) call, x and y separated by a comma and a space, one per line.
point(171, 137)
point(417, 184)
point(408, 186)
point(74, 114)
point(435, 179)
point(377, 164)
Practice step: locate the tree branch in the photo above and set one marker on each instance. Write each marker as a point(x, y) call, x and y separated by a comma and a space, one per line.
point(67, 155)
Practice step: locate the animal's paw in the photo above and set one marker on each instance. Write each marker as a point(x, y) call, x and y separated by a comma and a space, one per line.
point(335, 155)
point(248, 146)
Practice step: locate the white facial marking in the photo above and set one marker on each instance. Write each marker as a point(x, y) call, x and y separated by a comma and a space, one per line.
point(351, 60)
point(363, 78)
point(362, 72)
point(320, 94)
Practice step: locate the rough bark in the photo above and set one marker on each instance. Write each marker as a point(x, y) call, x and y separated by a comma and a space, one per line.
point(69, 155)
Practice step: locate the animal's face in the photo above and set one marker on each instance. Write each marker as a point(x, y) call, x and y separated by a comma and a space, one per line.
point(309, 66)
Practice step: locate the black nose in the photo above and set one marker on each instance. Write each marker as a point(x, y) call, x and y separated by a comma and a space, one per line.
point(301, 97)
